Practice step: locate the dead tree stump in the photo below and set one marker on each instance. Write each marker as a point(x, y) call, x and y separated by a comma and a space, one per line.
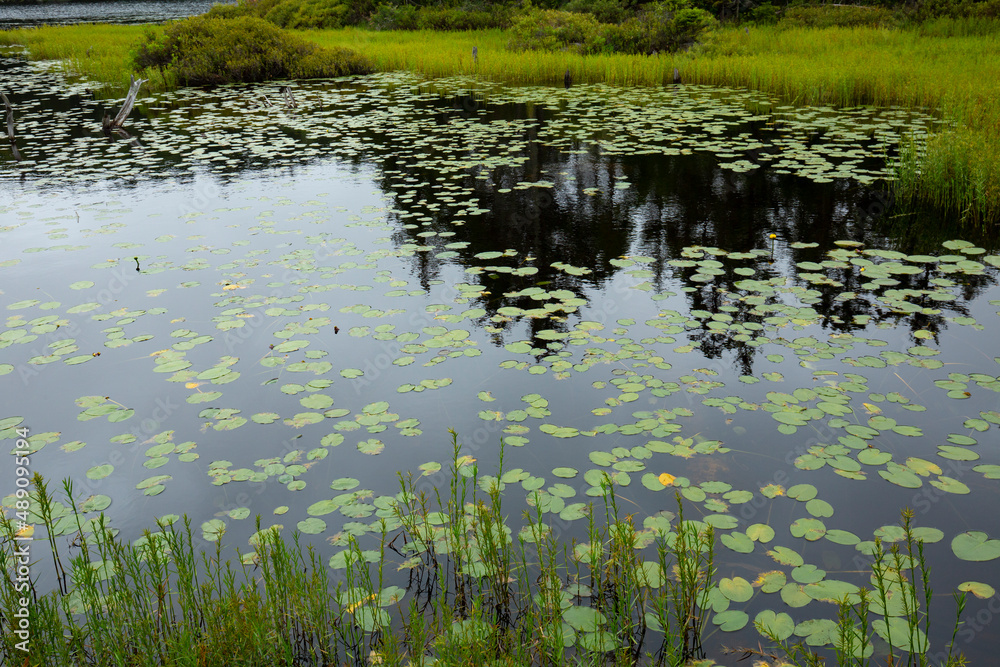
point(10, 117)
point(119, 120)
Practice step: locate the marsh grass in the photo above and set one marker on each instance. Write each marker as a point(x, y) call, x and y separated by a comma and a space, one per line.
point(98, 51)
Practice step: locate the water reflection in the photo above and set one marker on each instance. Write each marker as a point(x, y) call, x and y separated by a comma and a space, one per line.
point(580, 217)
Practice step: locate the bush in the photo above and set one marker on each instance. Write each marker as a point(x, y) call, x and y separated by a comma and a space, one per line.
point(213, 50)
point(764, 14)
point(300, 13)
point(987, 10)
point(925, 10)
point(930, 10)
point(670, 26)
point(829, 17)
point(554, 30)
point(408, 17)
point(391, 17)
point(605, 11)
point(429, 18)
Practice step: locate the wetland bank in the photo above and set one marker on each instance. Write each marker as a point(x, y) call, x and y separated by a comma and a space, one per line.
point(254, 316)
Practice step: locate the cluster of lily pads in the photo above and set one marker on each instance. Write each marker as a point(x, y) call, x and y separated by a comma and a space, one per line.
point(192, 130)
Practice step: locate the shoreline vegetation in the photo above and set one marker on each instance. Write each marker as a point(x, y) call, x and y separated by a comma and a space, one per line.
point(479, 591)
point(811, 56)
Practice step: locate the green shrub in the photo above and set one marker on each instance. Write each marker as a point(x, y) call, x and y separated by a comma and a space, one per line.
point(605, 11)
point(554, 30)
point(925, 10)
point(392, 17)
point(764, 14)
point(213, 50)
point(433, 18)
point(988, 10)
point(929, 10)
point(408, 17)
point(668, 26)
point(229, 11)
point(628, 37)
point(830, 16)
point(300, 13)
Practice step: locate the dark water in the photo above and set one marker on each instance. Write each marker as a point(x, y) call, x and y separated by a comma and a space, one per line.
point(463, 253)
point(65, 13)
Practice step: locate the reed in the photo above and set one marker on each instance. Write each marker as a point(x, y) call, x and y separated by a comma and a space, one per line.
point(99, 52)
point(901, 596)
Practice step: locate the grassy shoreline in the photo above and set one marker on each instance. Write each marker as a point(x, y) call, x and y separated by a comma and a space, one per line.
point(943, 66)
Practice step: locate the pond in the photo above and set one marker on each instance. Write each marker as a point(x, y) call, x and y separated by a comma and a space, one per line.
point(249, 308)
point(65, 13)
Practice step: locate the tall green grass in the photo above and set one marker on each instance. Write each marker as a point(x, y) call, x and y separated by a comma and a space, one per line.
point(948, 66)
point(100, 52)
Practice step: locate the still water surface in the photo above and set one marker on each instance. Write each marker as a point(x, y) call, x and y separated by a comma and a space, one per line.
point(65, 13)
point(242, 304)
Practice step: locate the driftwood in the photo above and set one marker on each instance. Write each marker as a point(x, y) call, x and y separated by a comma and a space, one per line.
point(289, 98)
point(10, 117)
point(119, 120)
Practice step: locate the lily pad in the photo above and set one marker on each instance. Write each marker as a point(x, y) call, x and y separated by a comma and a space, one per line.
point(975, 546)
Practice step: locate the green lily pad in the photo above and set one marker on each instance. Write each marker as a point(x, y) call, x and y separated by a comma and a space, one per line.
point(311, 526)
point(760, 532)
point(975, 546)
point(778, 626)
point(100, 471)
point(371, 446)
point(979, 589)
point(736, 589)
point(731, 620)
